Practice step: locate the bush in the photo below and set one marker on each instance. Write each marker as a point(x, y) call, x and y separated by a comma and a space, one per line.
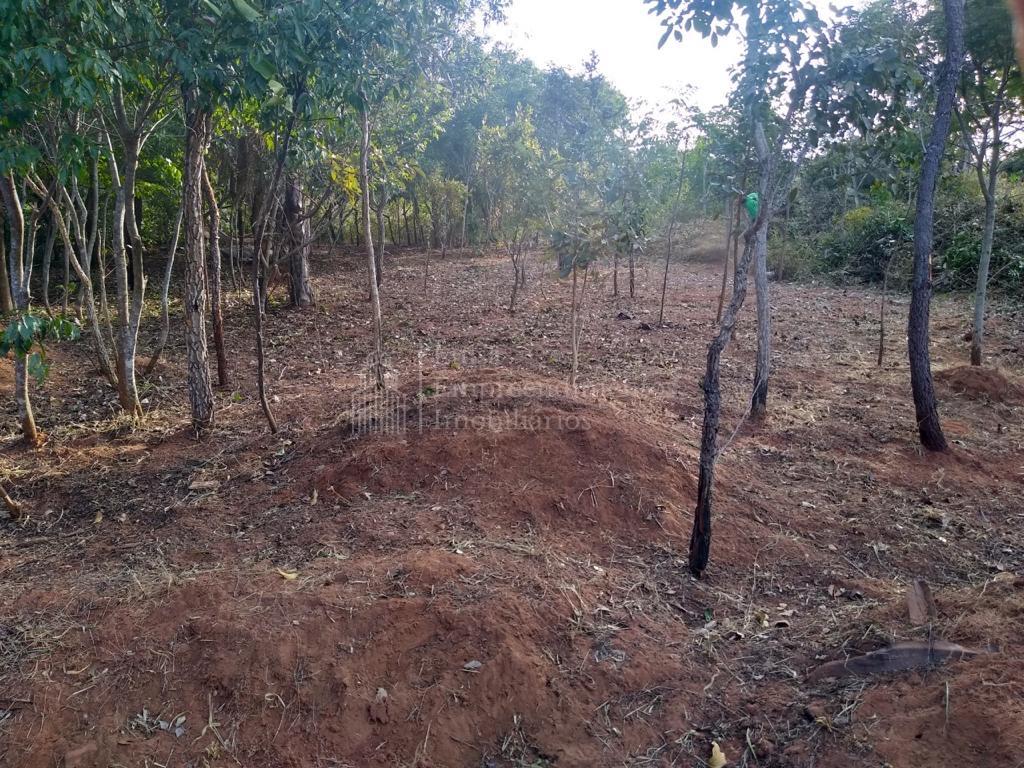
point(867, 238)
point(792, 258)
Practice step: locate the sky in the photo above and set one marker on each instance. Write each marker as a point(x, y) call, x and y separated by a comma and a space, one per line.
point(625, 37)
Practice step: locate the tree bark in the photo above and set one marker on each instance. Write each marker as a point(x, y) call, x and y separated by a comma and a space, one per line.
point(762, 365)
point(632, 272)
point(214, 276)
point(51, 239)
point(989, 188)
point(377, 364)
point(297, 238)
point(165, 295)
point(127, 391)
point(21, 299)
point(925, 405)
point(198, 382)
point(378, 264)
point(700, 537)
point(732, 226)
point(6, 300)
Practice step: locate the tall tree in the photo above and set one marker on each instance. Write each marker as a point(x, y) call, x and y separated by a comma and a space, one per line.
point(925, 405)
point(777, 33)
point(989, 107)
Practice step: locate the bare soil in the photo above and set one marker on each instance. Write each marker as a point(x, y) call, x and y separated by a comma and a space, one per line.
point(484, 568)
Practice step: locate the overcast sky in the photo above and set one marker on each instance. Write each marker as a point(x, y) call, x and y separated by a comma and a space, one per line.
point(625, 37)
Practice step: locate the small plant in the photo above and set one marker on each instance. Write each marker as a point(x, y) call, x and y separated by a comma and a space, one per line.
point(28, 334)
point(577, 248)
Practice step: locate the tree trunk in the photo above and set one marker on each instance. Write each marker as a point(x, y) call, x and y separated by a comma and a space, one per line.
point(762, 366)
point(515, 255)
point(20, 297)
point(131, 278)
point(417, 226)
point(93, 226)
point(51, 239)
point(465, 218)
point(6, 300)
point(700, 538)
point(732, 226)
point(377, 364)
point(573, 337)
point(268, 212)
point(762, 363)
point(925, 405)
point(664, 276)
point(74, 259)
point(989, 189)
point(378, 264)
point(165, 295)
point(576, 320)
point(127, 392)
point(199, 385)
point(632, 272)
point(615, 272)
point(297, 235)
point(214, 276)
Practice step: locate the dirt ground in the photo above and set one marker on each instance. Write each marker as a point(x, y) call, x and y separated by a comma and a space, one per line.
point(486, 569)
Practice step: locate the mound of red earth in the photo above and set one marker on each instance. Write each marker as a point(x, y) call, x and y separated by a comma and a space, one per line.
point(479, 587)
point(480, 571)
point(519, 452)
point(977, 381)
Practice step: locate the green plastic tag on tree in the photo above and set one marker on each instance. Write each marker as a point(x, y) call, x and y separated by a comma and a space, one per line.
point(753, 204)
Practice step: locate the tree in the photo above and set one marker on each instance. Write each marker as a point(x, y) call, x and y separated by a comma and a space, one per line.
point(515, 189)
point(27, 336)
point(988, 105)
point(298, 239)
point(925, 405)
point(20, 271)
point(377, 363)
point(577, 248)
point(776, 36)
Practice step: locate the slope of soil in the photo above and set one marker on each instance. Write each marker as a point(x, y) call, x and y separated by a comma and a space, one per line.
point(483, 568)
point(976, 381)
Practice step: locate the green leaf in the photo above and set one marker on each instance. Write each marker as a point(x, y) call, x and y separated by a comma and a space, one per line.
point(37, 367)
point(265, 67)
point(246, 11)
point(215, 9)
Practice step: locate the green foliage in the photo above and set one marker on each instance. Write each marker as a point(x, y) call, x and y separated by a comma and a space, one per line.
point(866, 238)
point(579, 245)
point(791, 258)
point(27, 336)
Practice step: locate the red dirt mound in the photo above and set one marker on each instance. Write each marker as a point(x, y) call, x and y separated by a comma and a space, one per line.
point(494, 587)
point(525, 451)
point(976, 381)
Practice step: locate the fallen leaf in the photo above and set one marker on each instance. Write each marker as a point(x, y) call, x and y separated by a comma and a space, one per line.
point(717, 759)
point(98, 519)
point(290, 575)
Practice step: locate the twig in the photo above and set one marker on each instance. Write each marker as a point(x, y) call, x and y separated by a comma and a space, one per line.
point(12, 506)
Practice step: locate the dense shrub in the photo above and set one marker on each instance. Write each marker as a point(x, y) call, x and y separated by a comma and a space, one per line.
point(860, 243)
